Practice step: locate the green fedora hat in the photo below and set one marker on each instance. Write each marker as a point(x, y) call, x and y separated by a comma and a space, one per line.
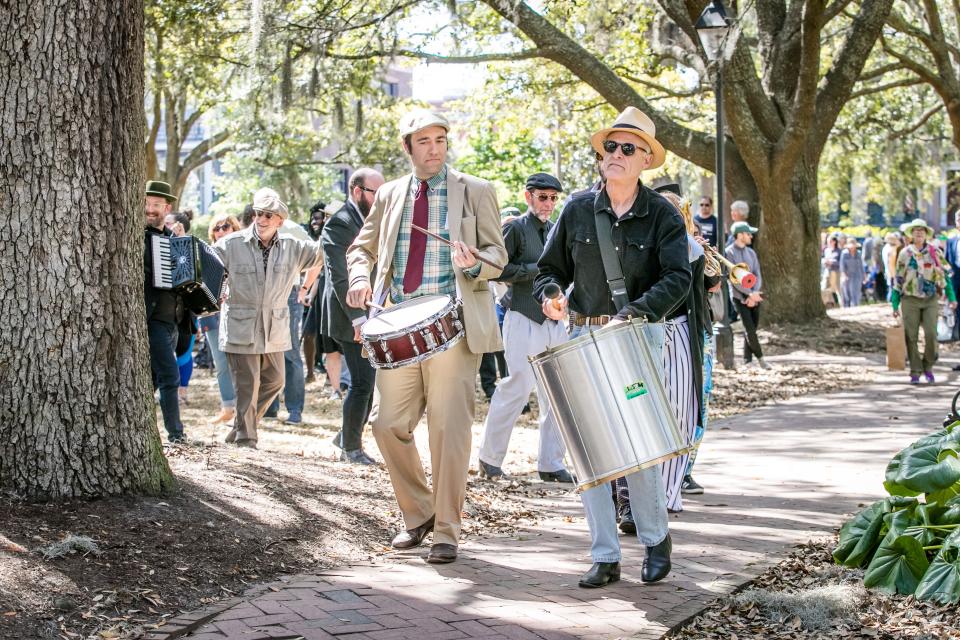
point(160, 189)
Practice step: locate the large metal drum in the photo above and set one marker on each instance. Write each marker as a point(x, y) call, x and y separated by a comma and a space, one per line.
point(609, 400)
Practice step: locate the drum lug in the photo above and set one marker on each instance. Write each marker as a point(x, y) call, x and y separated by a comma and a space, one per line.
point(387, 354)
point(428, 338)
point(413, 343)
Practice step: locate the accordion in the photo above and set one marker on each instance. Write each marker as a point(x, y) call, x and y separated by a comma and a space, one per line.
point(191, 268)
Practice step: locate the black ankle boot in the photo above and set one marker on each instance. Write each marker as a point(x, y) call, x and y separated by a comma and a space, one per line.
point(600, 574)
point(656, 565)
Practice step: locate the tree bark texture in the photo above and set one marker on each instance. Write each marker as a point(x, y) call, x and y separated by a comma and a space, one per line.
point(76, 409)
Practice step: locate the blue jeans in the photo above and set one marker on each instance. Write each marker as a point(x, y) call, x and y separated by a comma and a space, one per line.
point(647, 497)
point(228, 396)
point(293, 391)
point(166, 374)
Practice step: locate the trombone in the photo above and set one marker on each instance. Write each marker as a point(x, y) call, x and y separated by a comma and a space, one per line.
point(739, 274)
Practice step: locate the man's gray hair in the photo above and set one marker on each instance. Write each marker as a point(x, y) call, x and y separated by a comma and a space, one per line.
point(741, 206)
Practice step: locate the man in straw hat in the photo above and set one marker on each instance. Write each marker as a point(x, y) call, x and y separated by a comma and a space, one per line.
point(651, 243)
point(161, 305)
point(263, 265)
point(463, 210)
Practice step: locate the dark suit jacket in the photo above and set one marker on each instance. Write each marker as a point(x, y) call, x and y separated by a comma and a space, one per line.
point(953, 257)
point(336, 317)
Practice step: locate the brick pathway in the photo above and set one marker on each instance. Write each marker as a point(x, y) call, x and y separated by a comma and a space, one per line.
point(775, 478)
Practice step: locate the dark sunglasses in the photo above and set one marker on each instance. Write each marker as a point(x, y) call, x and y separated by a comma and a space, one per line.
point(362, 188)
point(263, 214)
point(628, 148)
point(223, 227)
point(542, 197)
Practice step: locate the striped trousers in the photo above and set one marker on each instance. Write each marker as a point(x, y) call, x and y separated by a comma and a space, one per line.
point(678, 382)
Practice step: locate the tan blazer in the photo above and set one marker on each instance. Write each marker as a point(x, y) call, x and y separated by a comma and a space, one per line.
point(473, 217)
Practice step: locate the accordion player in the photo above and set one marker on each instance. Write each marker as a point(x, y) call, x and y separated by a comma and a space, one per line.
point(191, 268)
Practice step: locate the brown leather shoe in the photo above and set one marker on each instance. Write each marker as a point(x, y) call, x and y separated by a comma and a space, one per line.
point(442, 553)
point(412, 537)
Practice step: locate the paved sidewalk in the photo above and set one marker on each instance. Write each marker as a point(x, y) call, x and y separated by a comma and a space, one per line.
point(775, 478)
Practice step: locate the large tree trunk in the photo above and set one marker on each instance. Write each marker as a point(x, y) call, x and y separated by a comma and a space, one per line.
point(76, 411)
point(789, 247)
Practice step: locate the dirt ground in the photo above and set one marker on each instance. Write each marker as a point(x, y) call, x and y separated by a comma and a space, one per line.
point(243, 516)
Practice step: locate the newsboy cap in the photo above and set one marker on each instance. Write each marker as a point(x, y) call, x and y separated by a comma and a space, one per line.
point(543, 181)
point(418, 119)
point(267, 199)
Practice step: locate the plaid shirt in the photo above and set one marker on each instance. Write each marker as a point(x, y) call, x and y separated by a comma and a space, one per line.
point(438, 274)
point(265, 250)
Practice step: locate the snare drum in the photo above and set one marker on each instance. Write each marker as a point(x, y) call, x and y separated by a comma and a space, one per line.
point(412, 331)
point(610, 403)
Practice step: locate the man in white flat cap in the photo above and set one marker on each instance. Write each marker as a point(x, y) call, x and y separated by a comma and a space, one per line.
point(463, 210)
point(262, 267)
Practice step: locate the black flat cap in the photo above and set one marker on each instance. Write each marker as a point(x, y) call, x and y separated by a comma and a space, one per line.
point(543, 181)
point(672, 187)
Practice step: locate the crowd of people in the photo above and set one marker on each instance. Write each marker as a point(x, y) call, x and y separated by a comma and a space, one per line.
point(524, 283)
point(911, 268)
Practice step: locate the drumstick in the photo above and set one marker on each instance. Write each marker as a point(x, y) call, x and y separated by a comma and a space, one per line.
point(449, 243)
point(375, 306)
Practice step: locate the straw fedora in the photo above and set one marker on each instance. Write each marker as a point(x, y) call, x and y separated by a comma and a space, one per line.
point(916, 223)
point(634, 121)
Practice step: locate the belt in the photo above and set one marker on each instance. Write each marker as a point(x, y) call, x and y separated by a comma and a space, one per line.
point(583, 321)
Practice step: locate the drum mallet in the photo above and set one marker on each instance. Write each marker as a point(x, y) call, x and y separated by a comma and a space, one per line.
point(553, 291)
point(450, 244)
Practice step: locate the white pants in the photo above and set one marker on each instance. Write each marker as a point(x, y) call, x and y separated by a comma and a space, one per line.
point(523, 337)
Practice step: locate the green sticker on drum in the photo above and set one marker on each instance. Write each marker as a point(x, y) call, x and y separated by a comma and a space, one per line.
point(635, 390)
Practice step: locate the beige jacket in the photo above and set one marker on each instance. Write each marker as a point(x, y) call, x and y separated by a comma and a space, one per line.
point(473, 217)
point(255, 317)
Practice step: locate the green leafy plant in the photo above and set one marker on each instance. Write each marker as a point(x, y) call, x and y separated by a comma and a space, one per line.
point(909, 542)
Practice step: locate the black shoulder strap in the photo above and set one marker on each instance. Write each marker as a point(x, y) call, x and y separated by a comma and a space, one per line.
point(611, 261)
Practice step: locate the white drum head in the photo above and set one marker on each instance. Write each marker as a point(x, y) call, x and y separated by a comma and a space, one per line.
point(406, 314)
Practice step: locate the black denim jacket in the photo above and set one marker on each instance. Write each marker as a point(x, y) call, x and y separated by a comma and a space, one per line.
point(651, 242)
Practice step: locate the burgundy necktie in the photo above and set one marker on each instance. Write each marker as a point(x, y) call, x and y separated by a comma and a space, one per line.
point(413, 275)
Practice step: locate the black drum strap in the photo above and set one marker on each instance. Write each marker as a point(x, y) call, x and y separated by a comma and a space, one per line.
point(611, 261)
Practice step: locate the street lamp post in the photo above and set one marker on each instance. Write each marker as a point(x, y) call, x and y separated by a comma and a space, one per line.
point(713, 27)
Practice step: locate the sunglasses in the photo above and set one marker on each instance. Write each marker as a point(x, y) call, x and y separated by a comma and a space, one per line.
point(366, 189)
point(542, 197)
point(628, 148)
point(223, 227)
point(263, 214)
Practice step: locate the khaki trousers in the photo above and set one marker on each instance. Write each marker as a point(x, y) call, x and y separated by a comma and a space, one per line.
point(258, 379)
point(920, 312)
point(445, 387)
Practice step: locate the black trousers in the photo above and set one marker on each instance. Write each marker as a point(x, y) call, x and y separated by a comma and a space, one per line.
point(356, 406)
point(489, 364)
point(750, 316)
